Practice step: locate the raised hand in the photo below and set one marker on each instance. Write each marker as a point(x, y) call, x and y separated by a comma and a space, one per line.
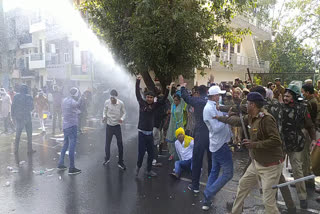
point(181, 81)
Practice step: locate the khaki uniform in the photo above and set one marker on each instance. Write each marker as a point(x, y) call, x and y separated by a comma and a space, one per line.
point(267, 160)
point(312, 106)
point(277, 91)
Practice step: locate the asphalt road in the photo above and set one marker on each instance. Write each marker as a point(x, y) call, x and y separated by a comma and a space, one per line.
point(35, 186)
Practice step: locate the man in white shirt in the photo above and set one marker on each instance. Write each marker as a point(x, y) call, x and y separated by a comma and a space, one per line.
point(114, 114)
point(219, 135)
point(184, 148)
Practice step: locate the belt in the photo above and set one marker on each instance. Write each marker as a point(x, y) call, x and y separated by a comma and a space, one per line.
point(274, 163)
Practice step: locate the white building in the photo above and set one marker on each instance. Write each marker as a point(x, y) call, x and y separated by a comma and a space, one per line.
point(233, 60)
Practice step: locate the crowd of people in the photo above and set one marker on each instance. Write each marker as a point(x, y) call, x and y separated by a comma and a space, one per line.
point(272, 123)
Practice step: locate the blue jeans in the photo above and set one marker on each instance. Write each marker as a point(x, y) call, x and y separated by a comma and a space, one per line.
point(70, 141)
point(182, 165)
point(221, 159)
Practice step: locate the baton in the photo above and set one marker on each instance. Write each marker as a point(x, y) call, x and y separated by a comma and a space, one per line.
point(294, 181)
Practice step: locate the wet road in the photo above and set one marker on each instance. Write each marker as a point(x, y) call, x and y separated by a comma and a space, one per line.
point(36, 186)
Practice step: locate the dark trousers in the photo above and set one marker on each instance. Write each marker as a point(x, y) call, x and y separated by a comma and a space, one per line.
point(57, 115)
point(145, 143)
point(200, 147)
point(110, 131)
point(20, 125)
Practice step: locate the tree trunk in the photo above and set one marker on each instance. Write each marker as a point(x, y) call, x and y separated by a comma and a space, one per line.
point(148, 81)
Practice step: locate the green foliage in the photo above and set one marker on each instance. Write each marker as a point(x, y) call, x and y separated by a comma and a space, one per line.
point(169, 37)
point(286, 54)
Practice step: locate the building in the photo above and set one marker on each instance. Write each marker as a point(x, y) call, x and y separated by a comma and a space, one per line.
point(37, 52)
point(233, 60)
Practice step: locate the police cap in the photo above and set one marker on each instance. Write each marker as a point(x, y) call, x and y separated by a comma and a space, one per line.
point(255, 97)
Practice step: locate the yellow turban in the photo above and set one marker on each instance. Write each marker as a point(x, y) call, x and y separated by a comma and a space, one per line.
point(187, 139)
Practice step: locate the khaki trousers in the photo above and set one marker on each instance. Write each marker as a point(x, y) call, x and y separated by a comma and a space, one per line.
point(269, 176)
point(306, 162)
point(296, 164)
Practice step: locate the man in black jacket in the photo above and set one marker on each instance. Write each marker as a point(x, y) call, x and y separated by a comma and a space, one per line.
point(21, 108)
point(147, 110)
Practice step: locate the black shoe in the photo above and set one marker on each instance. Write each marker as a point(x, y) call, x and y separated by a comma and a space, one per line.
point(151, 173)
point(31, 152)
point(174, 175)
point(190, 187)
point(74, 171)
point(122, 166)
point(105, 163)
point(61, 168)
point(304, 204)
point(310, 185)
point(289, 211)
point(290, 170)
point(229, 206)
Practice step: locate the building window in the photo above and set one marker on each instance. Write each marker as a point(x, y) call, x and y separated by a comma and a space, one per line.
point(36, 50)
point(238, 47)
point(66, 57)
point(231, 48)
point(225, 47)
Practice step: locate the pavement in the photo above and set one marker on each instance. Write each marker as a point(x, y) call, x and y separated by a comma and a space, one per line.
point(31, 184)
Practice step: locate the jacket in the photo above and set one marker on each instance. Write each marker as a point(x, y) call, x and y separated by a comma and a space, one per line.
point(264, 131)
point(22, 105)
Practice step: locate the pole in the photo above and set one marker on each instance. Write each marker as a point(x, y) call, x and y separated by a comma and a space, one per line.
point(294, 181)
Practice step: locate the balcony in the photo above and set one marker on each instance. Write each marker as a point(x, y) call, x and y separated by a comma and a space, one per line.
point(37, 61)
point(238, 62)
point(260, 30)
point(37, 26)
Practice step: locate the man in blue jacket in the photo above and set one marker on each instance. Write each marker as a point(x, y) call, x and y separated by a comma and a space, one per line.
point(201, 133)
point(21, 108)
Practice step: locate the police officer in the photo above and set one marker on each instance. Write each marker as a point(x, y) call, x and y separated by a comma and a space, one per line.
point(279, 89)
point(274, 107)
point(265, 148)
point(295, 118)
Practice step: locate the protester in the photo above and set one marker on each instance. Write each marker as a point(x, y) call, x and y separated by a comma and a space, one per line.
point(184, 147)
point(269, 92)
point(145, 127)
point(219, 134)
point(41, 104)
point(70, 110)
point(6, 110)
point(201, 133)
point(265, 149)
point(113, 115)
point(159, 121)
point(21, 108)
point(176, 120)
point(57, 98)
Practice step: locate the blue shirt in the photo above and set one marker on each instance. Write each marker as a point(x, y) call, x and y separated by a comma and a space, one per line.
point(198, 103)
point(70, 111)
point(219, 133)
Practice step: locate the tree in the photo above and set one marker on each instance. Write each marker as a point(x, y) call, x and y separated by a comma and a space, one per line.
point(168, 37)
